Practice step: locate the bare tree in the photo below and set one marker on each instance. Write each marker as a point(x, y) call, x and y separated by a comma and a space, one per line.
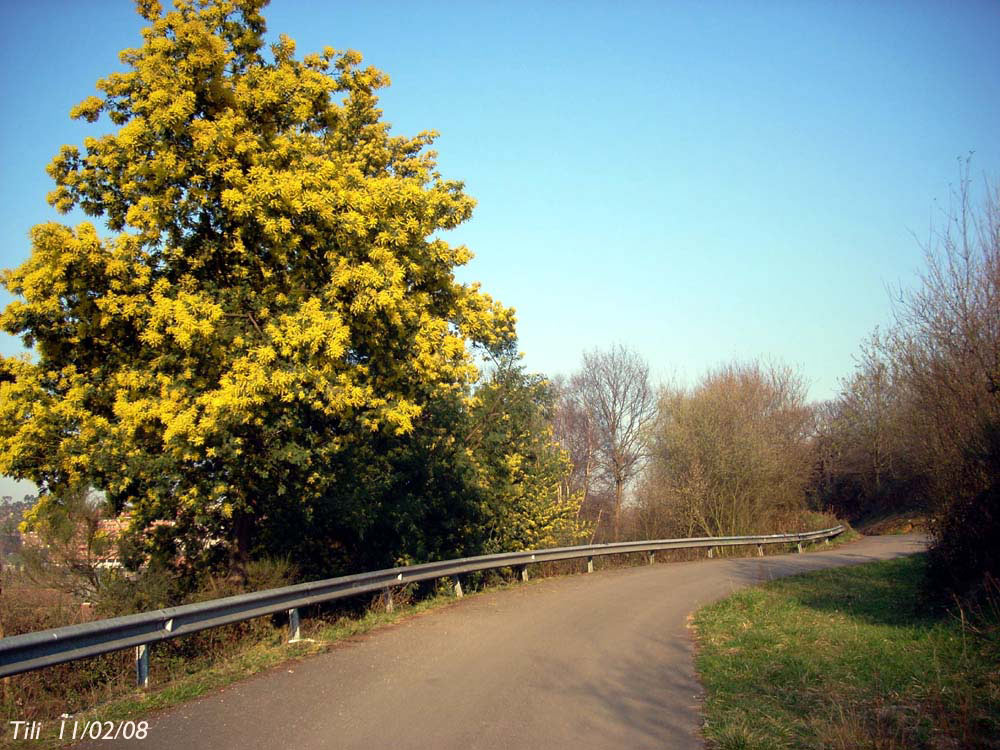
point(614, 393)
point(865, 462)
point(947, 348)
point(730, 456)
point(574, 429)
point(947, 340)
point(920, 420)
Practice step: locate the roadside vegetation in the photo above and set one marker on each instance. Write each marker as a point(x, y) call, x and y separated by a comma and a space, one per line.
point(850, 658)
point(103, 688)
point(916, 429)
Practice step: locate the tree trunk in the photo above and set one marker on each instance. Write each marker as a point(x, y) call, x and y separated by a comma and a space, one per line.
point(619, 491)
point(243, 530)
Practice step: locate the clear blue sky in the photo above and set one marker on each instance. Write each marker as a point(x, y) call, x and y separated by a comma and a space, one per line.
point(700, 181)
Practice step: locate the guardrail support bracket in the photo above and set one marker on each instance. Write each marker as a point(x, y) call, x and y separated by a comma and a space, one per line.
point(760, 550)
point(142, 666)
point(652, 558)
point(458, 587)
point(294, 626)
point(711, 552)
point(524, 572)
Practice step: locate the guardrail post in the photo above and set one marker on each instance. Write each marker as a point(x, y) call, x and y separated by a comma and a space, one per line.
point(387, 600)
point(826, 540)
point(142, 666)
point(590, 564)
point(760, 550)
point(799, 546)
point(294, 627)
point(711, 552)
point(652, 557)
point(524, 572)
point(458, 587)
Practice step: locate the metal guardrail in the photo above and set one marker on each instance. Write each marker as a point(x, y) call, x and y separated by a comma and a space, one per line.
point(44, 648)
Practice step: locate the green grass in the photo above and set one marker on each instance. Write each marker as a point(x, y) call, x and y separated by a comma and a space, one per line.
point(848, 658)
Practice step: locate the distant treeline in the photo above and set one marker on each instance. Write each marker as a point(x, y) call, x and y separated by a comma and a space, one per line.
point(916, 428)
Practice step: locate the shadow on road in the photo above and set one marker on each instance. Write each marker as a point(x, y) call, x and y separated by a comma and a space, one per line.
point(630, 693)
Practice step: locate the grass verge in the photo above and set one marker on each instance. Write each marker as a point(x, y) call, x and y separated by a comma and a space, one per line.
point(848, 658)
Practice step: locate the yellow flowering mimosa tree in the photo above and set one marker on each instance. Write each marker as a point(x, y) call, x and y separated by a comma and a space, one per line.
point(269, 308)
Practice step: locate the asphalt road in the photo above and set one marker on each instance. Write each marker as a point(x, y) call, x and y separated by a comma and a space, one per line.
point(588, 661)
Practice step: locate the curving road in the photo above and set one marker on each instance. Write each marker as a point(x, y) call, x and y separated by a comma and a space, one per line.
point(598, 661)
